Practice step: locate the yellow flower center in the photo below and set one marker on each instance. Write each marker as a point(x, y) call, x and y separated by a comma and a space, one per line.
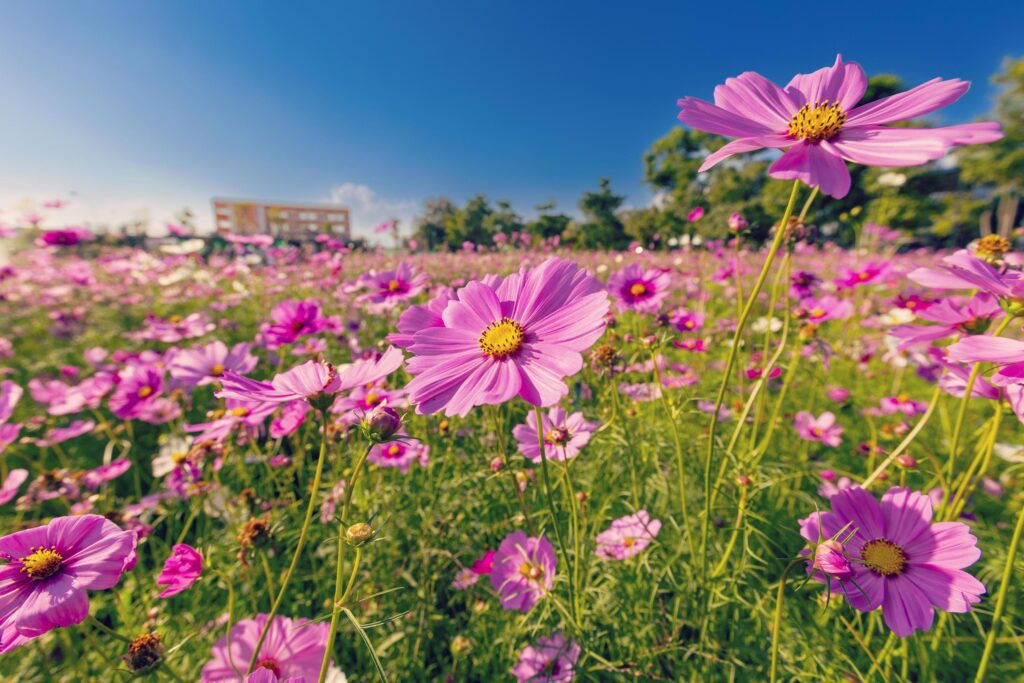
point(629, 541)
point(817, 312)
point(394, 450)
point(991, 247)
point(818, 122)
point(903, 398)
point(688, 324)
point(270, 665)
point(394, 286)
point(175, 319)
point(502, 338)
point(638, 289)
point(145, 391)
point(556, 436)
point(531, 571)
point(372, 399)
point(217, 370)
point(42, 563)
point(238, 412)
point(179, 457)
point(883, 557)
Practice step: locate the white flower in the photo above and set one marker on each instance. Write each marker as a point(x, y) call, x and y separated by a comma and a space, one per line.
point(896, 316)
point(764, 323)
point(891, 179)
point(192, 246)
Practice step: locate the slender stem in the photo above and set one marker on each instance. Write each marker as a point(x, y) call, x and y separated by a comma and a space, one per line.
point(907, 440)
point(730, 363)
point(777, 618)
point(554, 516)
point(741, 508)
point(106, 629)
point(670, 413)
point(1004, 589)
point(965, 400)
point(339, 598)
point(314, 489)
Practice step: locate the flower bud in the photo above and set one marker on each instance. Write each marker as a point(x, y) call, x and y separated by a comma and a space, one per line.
point(906, 461)
point(381, 423)
point(358, 533)
point(737, 223)
point(497, 464)
point(743, 481)
point(830, 559)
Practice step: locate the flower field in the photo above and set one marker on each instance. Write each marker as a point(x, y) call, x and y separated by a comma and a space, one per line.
point(726, 461)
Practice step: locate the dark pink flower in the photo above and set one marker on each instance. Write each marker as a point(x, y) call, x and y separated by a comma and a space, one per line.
point(181, 570)
point(207, 364)
point(636, 289)
point(822, 429)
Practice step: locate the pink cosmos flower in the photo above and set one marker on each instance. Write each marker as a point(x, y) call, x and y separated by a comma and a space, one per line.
point(464, 578)
point(627, 536)
point(59, 435)
point(963, 270)
point(822, 429)
point(206, 364)
point(564, 435)
point(293, 414)
point(816, 120)
point(830, 485)
point(695, 215)
point(974, 317)
point(826, 308)
point(838, 394)
point(524, 571)
point(484, 564)
point(291, 320)
point(48, 570)
point(401, 454)
point(867, 274)
point(139, 386)
point(95, 478)
point(551, 660)
point(902, 403)
point(9, 489)
point(181, 570)
point(293, 648)
point(901, 561)
point(389, 287)
point(521, 338)
point(685, 321)
point(10, 394)
point(1008, 352)
point(174, 329)
point(311, 380)
point(636, 289)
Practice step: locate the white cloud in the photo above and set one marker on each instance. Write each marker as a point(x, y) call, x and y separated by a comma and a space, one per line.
point(368, 209)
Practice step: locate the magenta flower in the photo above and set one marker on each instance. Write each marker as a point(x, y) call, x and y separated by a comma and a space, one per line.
point(400, 454)
point(901, 562)
point(389, 287)
point(685, 321)
point(564, 435)
point(822, 429)
point(523, 571)
point(816, 120)
point(1009, 376)
point(181, 570)
point(290, 321)
point(95, 478)
point(824, 309)
point(867, 274)
point(48, 570)
point(627, 536)
point(417, 318)
point(140, 385)
point(695, 215)
point(293, 648)
point(484, 564)
point(207, 364)
point(890, 405)
point(521, 338)
point(974, 317)
point(174, 329)
point(10, 394)
point(310, 381)
point(59, 435)
point(962, 270)
point(636, 289)
point(9, 489)
point(551, 660)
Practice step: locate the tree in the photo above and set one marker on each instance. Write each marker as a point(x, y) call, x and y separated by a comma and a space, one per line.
point(548, 223)
point(1001, 164)
point(430, 227)
point(601, 226)
point(504, 219)
point(470, 223)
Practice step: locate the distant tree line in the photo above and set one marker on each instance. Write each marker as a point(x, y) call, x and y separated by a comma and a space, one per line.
point(943, 203)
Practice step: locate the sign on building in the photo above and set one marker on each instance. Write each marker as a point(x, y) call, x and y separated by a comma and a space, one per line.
point(284, 221)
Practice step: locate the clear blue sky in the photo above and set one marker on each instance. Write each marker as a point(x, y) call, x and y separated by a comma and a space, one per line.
point(162, 104)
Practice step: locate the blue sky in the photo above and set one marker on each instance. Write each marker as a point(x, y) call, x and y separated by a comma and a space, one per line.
point(150, 105)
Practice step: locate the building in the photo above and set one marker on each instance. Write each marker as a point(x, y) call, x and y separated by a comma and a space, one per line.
point(295, 222)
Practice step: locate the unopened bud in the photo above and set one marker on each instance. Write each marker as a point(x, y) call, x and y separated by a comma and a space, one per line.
point(906, 461)
point(497, 463)
point(743, 480)
point(381, 423)
point(359, 533)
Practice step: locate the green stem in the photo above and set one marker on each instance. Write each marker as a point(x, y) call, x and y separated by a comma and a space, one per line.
point(907, 440)
point(730, 363)
point(965, 400)
point(554, 516)
point(777, 618)
point(339, 598)
point(1004, 589)
point(314, 489)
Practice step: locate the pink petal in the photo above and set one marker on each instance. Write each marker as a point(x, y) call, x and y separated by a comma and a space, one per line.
point(744, 145)
point(923, 99)
point(989, 349)
point(52, 603)
point(951, 590)
point(889, 147)
point(753, 96)
point(815, 166)
point(907, 514)
point(844, 83)
point(697, 113)
point(906, 608)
